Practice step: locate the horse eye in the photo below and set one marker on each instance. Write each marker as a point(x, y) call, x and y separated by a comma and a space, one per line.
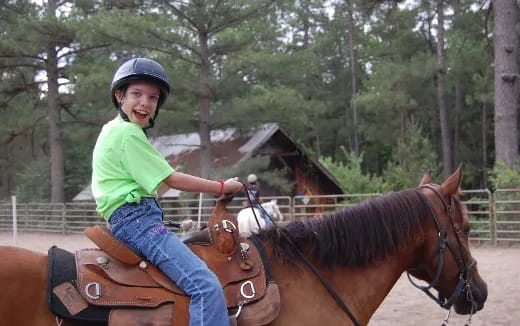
point(466, 230)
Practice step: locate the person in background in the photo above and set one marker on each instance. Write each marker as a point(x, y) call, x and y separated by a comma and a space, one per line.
point(253, 191)
point(254, 188)
point(126, 172)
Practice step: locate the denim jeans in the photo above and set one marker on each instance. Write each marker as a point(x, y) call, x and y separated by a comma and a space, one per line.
point(140, 226)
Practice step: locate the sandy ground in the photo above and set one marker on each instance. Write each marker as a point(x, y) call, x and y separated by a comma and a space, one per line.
point(405, 305)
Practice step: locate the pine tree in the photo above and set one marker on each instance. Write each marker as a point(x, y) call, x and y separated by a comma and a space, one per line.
point(193, 39)
point(42, 38)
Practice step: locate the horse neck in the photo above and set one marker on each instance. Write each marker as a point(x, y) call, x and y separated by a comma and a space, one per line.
point(362, 289)
point(369, 285)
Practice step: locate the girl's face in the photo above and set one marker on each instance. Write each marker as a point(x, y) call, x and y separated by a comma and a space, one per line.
point(139, 102)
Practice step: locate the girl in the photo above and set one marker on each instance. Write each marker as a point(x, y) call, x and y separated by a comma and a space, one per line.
point(126, 172)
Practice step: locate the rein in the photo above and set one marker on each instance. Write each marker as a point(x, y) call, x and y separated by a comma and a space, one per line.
point(316, 272)
point(459, 255)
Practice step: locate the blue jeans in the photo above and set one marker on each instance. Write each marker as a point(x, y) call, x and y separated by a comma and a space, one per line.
point(140, 226)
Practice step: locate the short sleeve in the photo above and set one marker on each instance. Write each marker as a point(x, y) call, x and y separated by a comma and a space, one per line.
point(143, 162)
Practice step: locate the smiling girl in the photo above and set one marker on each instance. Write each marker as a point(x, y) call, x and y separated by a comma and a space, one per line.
point(126, 172)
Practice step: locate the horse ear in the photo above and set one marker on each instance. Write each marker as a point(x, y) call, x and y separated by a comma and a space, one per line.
point(426, 179)
point(451, 186)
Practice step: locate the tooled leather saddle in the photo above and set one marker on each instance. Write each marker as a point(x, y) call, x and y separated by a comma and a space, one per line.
point(134, 292)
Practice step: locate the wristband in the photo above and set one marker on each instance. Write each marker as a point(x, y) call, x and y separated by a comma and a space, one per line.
point(221, 192)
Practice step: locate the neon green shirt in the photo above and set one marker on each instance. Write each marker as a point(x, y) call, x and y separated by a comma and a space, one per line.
point(125, 167)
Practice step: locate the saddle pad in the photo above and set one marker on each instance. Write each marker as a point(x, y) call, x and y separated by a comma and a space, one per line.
point(62, 269)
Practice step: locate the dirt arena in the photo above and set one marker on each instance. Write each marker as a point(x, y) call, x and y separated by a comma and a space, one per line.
point(405, 305)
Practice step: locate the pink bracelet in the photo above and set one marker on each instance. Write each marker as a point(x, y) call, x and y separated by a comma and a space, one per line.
point(221, 187)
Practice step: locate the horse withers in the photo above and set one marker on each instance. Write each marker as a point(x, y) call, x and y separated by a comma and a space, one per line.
point(334, 269)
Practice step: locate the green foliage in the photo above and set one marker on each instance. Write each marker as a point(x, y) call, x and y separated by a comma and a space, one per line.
point(277, 179)
point(262, 105)
point(503, 177)
point(413, 156)
point(34, 181)
point(350, 175)
point(269, 61)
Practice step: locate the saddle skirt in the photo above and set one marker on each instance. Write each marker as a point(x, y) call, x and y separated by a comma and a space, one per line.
point(138, 293)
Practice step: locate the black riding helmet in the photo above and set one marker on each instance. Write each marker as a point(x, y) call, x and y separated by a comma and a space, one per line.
point(141, 69)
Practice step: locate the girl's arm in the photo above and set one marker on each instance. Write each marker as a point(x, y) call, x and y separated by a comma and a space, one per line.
point(190, 183)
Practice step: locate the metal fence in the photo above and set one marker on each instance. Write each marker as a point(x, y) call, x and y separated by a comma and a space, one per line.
point(479, 205)
point(506, 217)
point(494, 217)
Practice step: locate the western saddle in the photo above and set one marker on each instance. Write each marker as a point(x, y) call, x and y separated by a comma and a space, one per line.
point(138, 293)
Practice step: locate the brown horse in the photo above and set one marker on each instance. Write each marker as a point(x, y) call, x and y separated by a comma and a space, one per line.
point(359, 253)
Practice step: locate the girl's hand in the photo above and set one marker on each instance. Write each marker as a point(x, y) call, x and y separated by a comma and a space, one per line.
point(232, 185)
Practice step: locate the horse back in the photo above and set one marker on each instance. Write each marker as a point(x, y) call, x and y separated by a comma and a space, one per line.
point(24, 285)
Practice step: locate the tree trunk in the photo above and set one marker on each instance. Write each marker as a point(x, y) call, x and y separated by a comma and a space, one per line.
point(441, 72)
point(204, 107)
point(484, 162)
point(505, 14)
point(4, 174)
point(459, 96)
point(433, 114)
point(54, 113)
point(352, 55)
point(309, 84)
point(317, 139)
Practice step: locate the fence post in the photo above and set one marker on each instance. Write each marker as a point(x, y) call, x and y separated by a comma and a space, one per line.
point(64, 218)
point(15, 221)
point(199, 213)
point(291, 208)
point(493, 218)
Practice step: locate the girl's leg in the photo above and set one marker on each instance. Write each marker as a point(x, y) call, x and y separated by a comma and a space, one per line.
point(142, 229)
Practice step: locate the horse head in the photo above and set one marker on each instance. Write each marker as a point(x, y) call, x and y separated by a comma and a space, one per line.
point(273, 210)
point(446, 262)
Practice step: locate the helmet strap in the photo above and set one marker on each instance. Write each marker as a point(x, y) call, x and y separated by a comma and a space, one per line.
point(122, 114)
point(119, 104)
point(151, 123)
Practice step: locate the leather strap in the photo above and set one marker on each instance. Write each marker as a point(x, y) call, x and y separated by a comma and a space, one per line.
point(316, 272)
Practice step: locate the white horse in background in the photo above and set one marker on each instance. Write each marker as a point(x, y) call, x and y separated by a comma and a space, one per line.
point(247, 222)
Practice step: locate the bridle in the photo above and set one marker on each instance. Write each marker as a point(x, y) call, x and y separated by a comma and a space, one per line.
point(458, 251)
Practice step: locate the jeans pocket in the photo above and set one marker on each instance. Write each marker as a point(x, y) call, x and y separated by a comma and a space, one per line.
point(127, 213)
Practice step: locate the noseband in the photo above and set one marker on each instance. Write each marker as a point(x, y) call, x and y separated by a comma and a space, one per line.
point(459, 253)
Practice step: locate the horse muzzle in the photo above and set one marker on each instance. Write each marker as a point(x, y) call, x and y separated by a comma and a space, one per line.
point(473, 297)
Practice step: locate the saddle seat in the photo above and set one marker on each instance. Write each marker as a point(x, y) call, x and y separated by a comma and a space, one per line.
point(115, 276)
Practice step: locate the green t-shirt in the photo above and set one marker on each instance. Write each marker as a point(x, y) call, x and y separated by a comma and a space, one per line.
point(125, 167)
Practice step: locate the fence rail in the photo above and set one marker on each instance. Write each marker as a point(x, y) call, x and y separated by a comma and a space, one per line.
point(494, 216)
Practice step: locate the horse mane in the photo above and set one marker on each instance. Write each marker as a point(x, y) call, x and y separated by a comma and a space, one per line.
point(356, 235)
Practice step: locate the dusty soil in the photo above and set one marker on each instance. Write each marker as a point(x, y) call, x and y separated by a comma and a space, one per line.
point(499, 267)
point(405, 305)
